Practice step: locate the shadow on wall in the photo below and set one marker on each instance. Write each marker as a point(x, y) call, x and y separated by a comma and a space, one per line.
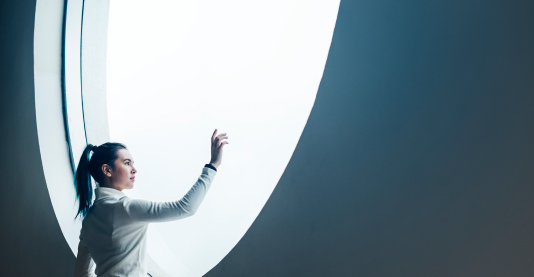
point(31, 242)
point(418, 156)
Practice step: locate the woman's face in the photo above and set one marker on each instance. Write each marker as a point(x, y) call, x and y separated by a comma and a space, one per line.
point(123, 175)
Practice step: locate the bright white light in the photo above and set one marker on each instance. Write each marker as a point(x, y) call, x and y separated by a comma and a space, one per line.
point(179, 69)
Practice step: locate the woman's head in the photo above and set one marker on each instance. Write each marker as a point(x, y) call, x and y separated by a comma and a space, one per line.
point(111, 165)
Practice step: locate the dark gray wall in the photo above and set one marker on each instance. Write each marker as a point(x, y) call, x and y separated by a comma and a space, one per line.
point(418, 156)
point(31, 242)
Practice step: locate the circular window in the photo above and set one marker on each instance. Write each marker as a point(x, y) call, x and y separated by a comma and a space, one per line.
point(173, 71)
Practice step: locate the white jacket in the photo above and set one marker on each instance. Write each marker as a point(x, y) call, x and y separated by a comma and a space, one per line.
point(114, 231)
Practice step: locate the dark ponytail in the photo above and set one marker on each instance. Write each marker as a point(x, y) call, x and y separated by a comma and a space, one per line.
point(91, 166)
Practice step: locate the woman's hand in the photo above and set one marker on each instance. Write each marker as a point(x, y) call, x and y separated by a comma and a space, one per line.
point(217, 144)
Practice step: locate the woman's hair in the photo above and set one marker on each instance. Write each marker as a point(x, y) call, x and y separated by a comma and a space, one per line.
point(91, 166)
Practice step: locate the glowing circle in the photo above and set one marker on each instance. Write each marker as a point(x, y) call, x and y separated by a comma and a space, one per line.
point(179, 69)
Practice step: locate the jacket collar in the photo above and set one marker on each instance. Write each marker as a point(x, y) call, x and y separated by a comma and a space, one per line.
point(103, 193)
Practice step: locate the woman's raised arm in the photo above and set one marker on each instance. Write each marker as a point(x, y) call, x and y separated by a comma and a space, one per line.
point(149, 211)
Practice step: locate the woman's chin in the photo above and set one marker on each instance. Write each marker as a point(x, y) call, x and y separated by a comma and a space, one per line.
point(128, 186)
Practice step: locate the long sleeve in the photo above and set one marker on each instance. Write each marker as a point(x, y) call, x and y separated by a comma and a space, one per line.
point(148, 211)
point(84, 262)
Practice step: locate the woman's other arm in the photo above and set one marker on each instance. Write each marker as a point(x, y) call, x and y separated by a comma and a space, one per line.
point(84, 262)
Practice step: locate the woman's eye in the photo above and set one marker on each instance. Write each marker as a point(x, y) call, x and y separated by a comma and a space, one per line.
point(127, 163)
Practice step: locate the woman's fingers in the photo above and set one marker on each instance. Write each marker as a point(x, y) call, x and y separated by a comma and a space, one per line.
point(213, 136)
point(217, 143)
point(219, 138)
point(220, 148)
point(220, 141)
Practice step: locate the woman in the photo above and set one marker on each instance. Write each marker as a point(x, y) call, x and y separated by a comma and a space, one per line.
point(114, 228)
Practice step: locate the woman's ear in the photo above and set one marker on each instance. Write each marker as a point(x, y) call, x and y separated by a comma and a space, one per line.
point(106, 169)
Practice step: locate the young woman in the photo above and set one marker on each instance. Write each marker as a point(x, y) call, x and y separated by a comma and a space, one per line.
point(114, 228)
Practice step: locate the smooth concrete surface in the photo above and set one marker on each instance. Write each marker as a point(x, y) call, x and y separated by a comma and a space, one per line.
point(418, 156)
point(31, 242)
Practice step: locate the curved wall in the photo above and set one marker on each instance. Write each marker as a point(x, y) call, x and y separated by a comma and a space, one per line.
point(418, 156)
